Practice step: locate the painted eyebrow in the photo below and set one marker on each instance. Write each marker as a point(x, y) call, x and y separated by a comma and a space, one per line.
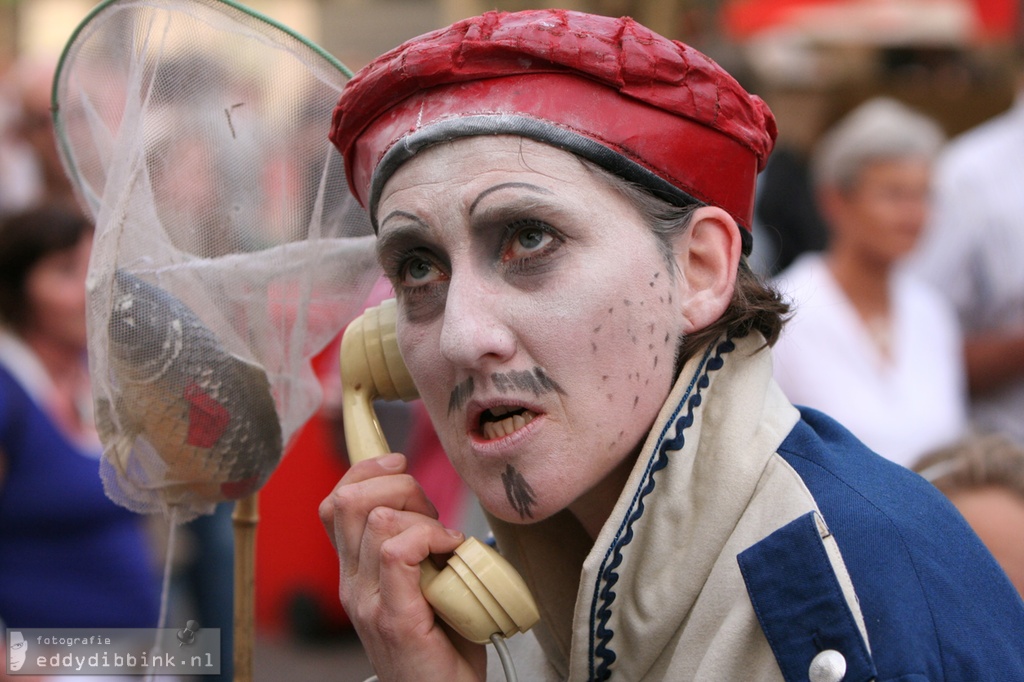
point(395, 239)
point(402, 214)
point(507, 185)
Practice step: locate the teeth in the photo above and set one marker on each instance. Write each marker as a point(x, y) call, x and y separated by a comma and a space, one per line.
point(505, 427)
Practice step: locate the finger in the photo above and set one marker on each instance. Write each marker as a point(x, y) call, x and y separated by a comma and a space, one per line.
point(344, 511)
point(348, 505)
point(397, 626)
point(399, 558)
point(384, 524)
point(390, 463)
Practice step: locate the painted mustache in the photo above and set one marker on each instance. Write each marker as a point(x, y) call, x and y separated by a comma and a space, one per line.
point(533, 380)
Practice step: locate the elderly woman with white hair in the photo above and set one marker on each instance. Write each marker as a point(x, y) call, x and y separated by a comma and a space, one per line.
point(869, 343)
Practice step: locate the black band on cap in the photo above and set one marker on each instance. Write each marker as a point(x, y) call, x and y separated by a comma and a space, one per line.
point(534, 129)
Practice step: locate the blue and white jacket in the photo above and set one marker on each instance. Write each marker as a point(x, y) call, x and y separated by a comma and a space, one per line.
point(757, 542)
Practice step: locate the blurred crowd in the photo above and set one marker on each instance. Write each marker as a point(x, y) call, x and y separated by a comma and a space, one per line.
point(30, 169)
point(899, 249)
point(69, 556)
point(899, 246)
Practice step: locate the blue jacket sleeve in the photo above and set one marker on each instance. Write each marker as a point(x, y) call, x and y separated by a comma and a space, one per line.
point(936, 604)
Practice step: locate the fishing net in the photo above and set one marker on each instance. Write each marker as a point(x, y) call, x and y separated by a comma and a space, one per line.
point(227, 251)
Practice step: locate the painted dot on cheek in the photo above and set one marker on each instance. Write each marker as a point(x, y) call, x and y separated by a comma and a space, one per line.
point(636, 399)
point(593, 346)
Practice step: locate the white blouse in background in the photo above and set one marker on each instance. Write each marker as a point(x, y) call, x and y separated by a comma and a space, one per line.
point(901, 406)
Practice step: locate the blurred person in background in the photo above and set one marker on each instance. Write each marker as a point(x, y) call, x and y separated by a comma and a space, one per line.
point(973, 253)
point(18, 177)
point(69, 557)
point(983, 476)
point(786, 210)
point(868, 343)
point(37, 175)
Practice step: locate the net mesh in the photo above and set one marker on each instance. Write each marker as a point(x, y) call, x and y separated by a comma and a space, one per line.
point(228, 251)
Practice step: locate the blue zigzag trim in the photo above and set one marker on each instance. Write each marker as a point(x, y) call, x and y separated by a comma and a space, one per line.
point(600, 634)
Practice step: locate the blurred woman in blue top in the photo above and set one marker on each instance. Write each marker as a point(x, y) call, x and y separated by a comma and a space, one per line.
point(69, 557)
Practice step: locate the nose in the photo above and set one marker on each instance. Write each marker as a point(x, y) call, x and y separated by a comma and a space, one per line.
point(475, 331)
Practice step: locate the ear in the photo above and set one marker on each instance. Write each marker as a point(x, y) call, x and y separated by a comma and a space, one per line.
point(708, 256)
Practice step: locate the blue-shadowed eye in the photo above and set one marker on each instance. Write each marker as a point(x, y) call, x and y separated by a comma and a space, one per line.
point(527, 241)
point(419, 271)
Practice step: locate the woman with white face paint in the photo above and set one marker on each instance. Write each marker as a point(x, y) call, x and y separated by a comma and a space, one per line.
point(563, 206)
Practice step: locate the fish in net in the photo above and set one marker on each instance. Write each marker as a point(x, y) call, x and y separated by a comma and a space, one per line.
point(228, 251)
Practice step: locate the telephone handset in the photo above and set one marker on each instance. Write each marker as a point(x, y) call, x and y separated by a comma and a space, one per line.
point(478, 593)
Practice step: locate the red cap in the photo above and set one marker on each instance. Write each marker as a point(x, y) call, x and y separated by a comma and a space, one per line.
point(652, 110)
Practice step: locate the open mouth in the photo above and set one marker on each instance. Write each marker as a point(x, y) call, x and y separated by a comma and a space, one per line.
point(503, 420)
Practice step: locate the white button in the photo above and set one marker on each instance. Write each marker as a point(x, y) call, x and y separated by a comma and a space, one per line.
point(828, 666)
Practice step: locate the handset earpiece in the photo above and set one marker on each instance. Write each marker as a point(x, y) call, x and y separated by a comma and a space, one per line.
point(478, 593)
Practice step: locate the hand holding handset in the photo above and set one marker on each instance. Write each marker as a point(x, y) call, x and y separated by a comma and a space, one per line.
point(478, 593)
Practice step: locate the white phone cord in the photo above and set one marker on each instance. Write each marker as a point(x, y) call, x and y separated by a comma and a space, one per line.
point(506, 659)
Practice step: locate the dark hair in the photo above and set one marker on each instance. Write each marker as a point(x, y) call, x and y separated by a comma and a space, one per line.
point(26, 238)
point(755, 305)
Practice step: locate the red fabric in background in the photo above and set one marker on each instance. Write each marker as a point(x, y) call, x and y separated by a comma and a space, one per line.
point(997, 19)
point(1000, 19)
point(293, 553)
